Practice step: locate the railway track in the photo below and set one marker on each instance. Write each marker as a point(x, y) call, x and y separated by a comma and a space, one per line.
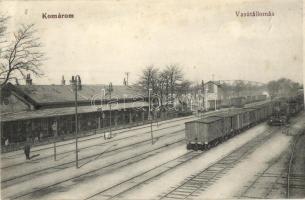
point(289, 168)
point(131, 183)
point(197, 183)
point(104, 169)
point(9, 181)
point(116, 191)
point(17, 164)
point(108, 142)
point(295, 180)
point(88, 139)
point(274, 181)
point(5, 183)
point(65, 143)
point(268, 184)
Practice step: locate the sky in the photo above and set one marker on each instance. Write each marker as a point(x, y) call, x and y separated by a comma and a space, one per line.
point(205, 38)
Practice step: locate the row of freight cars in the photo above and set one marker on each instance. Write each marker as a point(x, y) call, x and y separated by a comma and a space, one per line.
point(238, 102)
point(207, 132)
point(241, 101)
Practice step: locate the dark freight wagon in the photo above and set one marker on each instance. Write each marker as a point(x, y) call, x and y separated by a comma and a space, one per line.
point(202, 133)
point(238, 102)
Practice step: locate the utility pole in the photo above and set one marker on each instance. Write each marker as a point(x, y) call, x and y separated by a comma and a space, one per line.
point(203, 94)
point(206, 98)
point(103, 94)
point(76, 128)
point(110, 89)
point(150, 117)
point(76, 84)
point(55, 134)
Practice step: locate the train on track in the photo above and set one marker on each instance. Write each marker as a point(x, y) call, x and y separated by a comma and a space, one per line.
point(284, 108)
point(207, 132)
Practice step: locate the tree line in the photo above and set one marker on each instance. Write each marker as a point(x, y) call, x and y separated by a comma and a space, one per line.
point(283, 87)
point(170, 84)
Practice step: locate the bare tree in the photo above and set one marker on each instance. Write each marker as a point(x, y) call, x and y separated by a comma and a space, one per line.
point(163, 88)
point(22, 55)
point(174, 74)
point(184, 87)
point(149, 78)
point(165, 83)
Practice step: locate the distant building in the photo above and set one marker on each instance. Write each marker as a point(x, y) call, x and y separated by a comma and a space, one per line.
point(213, 95)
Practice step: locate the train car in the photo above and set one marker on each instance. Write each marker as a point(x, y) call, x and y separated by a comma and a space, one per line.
point(203, 133)
point(245, 119)
point(238, 102)
point(294, 105)
point(261, 97)
point(262, 111)
point(234, 122)
point(248, 99)
point(253, 115)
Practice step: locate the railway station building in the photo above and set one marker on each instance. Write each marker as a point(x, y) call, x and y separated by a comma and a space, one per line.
point(41, 112)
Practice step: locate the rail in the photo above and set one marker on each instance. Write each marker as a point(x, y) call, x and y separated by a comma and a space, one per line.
point(84, 133)
point(289, 166)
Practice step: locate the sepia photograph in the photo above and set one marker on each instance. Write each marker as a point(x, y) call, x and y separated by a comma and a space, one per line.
point(152, 100)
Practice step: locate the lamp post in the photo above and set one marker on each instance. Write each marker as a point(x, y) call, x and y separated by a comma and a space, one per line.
point(199, 103)
point(54, 130)
point(76, 84)
point(124, 106)
point(103, 114)
point(206, 99)
point(150, 117)
point(110, 89)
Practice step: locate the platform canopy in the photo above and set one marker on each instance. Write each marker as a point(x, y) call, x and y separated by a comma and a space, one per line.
point(55, 112)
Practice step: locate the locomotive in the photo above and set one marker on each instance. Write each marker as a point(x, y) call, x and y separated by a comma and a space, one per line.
point(280, 113)
point(284, 108)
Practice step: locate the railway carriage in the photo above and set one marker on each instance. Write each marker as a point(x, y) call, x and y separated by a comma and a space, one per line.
point(261, 113)
point(245, 119)
point(253, 113)
point(203, 133)
point(232, 122)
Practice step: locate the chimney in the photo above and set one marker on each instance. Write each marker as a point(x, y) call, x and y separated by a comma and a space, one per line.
point(28, 80)
point(63, 81)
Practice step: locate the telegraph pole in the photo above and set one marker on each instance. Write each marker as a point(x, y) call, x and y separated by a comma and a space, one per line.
point(76, 84)
point(150, 117)
point(110, 89)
